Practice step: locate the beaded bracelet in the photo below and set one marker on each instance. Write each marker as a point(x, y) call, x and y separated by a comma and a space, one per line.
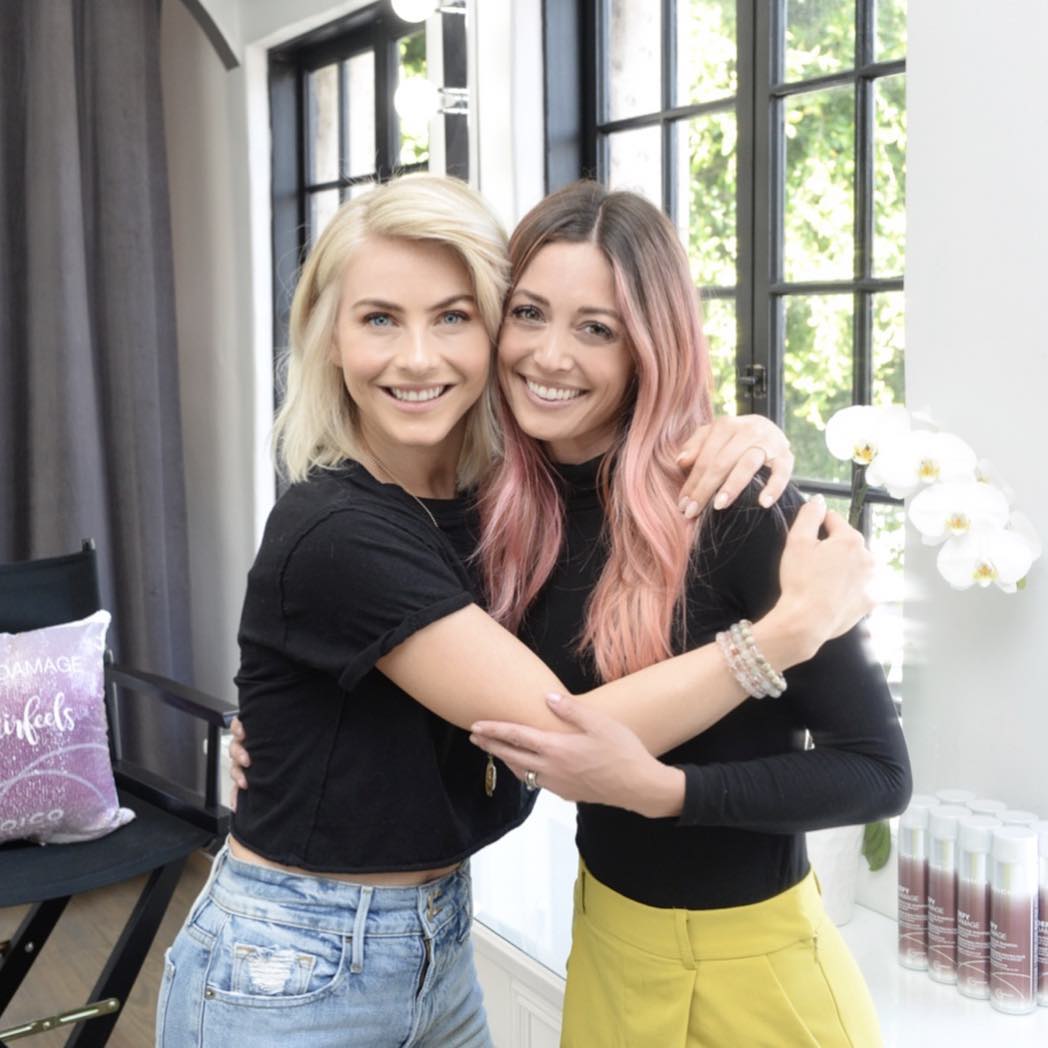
point(757, 677)
point(753, 685)
point(774, 678)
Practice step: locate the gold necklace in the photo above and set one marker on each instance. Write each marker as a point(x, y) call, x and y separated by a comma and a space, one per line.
point(491, 773)
point(389, 473)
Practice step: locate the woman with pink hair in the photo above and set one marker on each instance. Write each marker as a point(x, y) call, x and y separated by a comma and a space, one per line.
point(697, 918)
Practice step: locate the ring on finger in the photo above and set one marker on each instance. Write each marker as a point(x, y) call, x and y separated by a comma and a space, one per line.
point(531, 781)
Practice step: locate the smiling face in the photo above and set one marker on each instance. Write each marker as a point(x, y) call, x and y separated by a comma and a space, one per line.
point(412, 348)
point(564, 359)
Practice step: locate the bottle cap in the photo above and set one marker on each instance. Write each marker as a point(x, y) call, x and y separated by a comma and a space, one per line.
point(944, 820)
point(915, 818)
point(984, 806)
point(1014, 817)
point(1041, 829)
point(955, 796)
point(923, 800)
point(976, 833)
point(1015, 844)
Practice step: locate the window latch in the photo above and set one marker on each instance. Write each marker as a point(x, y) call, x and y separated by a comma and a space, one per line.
point(754, 377)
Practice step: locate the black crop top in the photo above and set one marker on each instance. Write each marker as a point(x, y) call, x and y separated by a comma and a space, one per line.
point(751, 787)
point(350, 774)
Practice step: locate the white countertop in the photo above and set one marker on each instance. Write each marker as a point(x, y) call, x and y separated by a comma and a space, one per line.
point(522, 892)
point(916, 1012)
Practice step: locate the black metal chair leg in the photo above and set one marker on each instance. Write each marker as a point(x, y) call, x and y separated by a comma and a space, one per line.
point(25, 946)
point(127, 957)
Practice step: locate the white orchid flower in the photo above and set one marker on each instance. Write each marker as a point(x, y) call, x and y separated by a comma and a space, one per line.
point(957, 508)
point(1001, 556)
point(858, 433)
point(917, 457)
point(986, 473)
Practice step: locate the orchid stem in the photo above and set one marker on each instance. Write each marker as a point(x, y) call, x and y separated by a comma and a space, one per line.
point(858, 495)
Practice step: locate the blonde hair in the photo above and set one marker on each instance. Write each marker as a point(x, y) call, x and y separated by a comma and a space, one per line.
point(316, 426)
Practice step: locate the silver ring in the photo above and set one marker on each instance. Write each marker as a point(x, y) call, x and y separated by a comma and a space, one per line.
point(531, 781)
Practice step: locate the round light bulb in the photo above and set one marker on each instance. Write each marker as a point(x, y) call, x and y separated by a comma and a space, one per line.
point(416, 100)
point(414, 10)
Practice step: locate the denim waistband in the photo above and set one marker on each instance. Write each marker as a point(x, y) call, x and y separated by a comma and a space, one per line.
point(328, 905)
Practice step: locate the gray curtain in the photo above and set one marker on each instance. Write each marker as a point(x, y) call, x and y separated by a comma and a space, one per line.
point(90, 431)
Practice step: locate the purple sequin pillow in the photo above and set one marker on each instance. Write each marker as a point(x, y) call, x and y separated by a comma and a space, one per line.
point(56, 781)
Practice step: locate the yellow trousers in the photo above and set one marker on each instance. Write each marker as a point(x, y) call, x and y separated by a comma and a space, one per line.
point(775, 974)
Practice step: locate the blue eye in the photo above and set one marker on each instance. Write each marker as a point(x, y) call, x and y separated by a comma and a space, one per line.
point(378, 320)
point(454, 317)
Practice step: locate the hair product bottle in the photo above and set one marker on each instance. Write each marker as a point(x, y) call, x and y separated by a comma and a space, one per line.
point(985, 806)
point(1042, 915)
point(1013, 920)
point(913, 883)
point(942, 891)
point(1014, 817)
point(952, 796)
point(974, 841)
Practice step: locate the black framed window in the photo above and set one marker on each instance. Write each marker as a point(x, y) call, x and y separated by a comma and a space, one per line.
point(773, 133)
point(335, 131)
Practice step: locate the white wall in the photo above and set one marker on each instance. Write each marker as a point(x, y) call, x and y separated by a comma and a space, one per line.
point(976, 692)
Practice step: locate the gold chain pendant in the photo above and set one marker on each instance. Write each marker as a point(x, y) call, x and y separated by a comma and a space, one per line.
point(491, 777)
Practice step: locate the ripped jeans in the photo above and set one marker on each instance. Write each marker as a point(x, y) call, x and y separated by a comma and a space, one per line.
point(268, 958)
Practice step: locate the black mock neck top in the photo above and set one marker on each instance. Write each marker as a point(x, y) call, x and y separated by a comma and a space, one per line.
point(752, 787)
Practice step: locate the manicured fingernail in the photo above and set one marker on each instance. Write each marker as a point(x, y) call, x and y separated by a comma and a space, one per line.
point(553, 698)
point(692, 510)
point(765, 499)
point(819, 500)
point(683, 504)
point(720, 501)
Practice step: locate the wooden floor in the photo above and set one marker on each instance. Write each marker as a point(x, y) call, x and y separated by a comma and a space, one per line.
point(74, 955)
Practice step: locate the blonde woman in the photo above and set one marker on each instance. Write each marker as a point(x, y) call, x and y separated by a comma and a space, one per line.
point(339, 914)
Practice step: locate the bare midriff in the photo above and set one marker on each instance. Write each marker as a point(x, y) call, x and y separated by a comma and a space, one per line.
point(394, 878)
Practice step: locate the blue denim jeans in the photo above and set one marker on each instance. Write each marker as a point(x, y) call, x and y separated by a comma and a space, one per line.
point(268, 958)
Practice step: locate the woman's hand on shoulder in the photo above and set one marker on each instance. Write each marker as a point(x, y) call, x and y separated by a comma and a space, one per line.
point(826, 583)
point(599, 761)
point(725, 455)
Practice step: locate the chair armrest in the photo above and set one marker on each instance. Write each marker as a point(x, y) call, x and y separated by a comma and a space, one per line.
point(216, 712)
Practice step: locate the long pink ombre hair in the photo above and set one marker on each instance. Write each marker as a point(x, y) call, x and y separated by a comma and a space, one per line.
point(637, 606)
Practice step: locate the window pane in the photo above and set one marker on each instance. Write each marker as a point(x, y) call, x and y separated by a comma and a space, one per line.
point(635, 162)
point(817, 378)
point(360, 189)
point(706, 196)
point(322, 206)
point(706, 50)
point(323, 124)
point(634, 73)
point(414, 135)
point(889, 346)
point(718, 322)
point(889, 176)
point(820, 37)
point(359, 116)
point(820, 196)
point(891, 30)
point(888, 541)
